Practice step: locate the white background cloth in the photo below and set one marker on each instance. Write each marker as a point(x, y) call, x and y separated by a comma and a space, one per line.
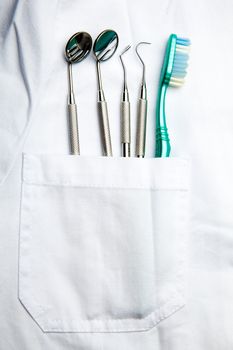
point(33, 81)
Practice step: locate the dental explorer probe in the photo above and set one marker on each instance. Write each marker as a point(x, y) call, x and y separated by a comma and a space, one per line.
point(125, 113)
point(142, 112)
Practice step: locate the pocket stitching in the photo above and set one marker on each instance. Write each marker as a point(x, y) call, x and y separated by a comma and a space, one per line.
point(153, 318)
point(159, 311)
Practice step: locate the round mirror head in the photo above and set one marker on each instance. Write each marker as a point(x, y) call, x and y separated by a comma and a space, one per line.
point(105, 45)
point(78, 47)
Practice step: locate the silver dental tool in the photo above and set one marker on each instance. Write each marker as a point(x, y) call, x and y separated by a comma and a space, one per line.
point(142, 111)
point(77, 48)
point(125, 113)
point(104, 47)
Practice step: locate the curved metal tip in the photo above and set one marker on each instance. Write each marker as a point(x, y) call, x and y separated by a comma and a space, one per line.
point(144, 68)
point(125, 78)
point(143, 42)
point(136, 49)
point(126, 49)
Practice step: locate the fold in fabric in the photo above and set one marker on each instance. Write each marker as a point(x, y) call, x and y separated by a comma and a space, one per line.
point(26, 36)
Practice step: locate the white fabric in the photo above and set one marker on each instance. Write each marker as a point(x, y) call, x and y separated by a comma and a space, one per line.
point(106, 258)
point(93, 249)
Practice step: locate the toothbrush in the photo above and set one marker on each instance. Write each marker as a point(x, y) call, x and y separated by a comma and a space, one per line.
point(173, 73)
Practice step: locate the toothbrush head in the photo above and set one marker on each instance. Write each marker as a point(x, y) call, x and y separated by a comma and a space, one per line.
point(175, 61)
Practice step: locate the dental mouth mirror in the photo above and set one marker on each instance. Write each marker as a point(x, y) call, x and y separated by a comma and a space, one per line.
point(142, 110)
point(77, 49)
point(104, 48)
point(125, 112)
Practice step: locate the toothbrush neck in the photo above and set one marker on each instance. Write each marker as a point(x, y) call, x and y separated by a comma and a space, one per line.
point(160, 110)
point(163, 147)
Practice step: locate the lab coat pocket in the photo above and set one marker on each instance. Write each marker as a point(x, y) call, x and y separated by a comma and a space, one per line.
point(102, 241)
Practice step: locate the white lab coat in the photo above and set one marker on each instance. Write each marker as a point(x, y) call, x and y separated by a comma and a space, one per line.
point(100, 253)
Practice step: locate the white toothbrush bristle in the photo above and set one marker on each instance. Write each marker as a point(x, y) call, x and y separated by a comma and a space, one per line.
point(182, 48)
point(176, 82)
point(180, 62)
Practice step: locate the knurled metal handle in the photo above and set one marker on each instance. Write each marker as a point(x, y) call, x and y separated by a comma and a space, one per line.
point(141, 128)
point(105, 129)
point(125, 122)
point(73, 129)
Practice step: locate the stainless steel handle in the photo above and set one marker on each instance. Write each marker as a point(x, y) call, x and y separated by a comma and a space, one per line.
point(141, 128)
point(125, 128)
point(73, 129)
point(105, 130)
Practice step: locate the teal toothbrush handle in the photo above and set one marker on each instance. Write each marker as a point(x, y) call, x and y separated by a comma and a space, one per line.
point(163, 146)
